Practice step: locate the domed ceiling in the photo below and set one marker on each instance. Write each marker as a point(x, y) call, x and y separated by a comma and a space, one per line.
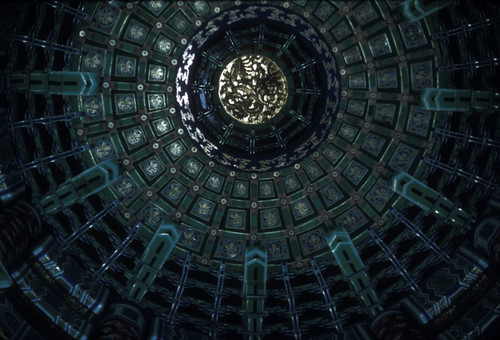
point(250, 169)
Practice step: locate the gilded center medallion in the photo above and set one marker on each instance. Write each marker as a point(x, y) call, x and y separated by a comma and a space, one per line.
point(252, 89)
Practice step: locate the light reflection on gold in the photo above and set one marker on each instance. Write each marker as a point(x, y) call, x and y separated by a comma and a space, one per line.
point(252, 89)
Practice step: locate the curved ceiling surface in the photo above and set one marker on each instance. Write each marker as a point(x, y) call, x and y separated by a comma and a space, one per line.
point(241, 169)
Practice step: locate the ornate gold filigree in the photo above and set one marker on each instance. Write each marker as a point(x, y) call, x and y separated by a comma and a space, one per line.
point(252, 89)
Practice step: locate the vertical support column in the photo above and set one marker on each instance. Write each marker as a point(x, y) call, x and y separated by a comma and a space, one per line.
point(354, 270)
point(415, 10)
point(56, 82)
point(438, 99)
point(254, 290)
point(81, 186)
point(159, 248)
point(421, 195)
point(123, 322)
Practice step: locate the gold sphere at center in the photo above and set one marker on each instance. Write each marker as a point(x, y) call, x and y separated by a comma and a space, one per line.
point(252, 89)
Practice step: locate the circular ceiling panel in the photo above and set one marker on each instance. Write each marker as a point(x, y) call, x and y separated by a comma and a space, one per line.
point(291, 130)
point(252, 89)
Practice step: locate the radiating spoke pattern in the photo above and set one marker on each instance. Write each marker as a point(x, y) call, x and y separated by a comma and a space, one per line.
point(236, 169)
